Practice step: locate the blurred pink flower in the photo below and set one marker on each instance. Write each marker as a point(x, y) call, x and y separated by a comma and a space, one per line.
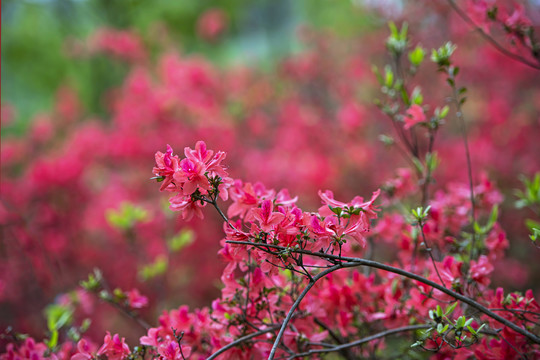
point(415, 115)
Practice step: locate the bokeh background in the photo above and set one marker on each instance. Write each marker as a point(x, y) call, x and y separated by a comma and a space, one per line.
point(42, 38)
point(91, 89)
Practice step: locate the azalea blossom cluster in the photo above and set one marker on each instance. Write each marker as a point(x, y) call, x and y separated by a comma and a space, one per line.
point(272, 248)
point(198, 178)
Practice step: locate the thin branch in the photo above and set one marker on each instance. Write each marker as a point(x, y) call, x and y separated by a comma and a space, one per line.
point(463, 125)
point(351, 261)
point(491, 40)
point(241, 340)
point(428, 249)
point(127, 312)
point(123, 309)
point(362, 341)
point(517, 311)
point(297, 302)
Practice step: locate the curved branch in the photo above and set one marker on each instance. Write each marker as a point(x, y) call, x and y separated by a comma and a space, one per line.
point(361, 341)
point(297, 302)
point(374, 264)
point(241, 340)
point(491, 40)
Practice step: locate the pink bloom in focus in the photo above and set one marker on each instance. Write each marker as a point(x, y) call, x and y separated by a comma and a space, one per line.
point(192, 176)
point(415, 115)
point(199, 171)
point(188, 208)
point(200, 154)
point(266, 217)
point(166, 166)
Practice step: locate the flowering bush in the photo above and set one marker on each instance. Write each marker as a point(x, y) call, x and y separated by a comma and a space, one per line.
point(407, 269)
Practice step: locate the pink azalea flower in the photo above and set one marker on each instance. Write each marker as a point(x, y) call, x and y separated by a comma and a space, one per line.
point(166, 166)
point(152, 339)
point(266, 217)
point(136, 300)
point(481, 270)
point(200, 154)
point(192, 177)
point(83, 349)
point(170, 350)
point(188, 208)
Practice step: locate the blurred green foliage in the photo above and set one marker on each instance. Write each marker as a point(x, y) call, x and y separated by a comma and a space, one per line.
point(35, 32)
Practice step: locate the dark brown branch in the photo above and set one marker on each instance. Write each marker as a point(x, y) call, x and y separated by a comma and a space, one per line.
point(351, 261)
point(361, 341)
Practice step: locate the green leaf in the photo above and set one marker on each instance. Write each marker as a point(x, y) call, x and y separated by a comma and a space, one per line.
point(450, 308)
point(416, 96)
point(126, 216)
point(417, 55)
point(158, 178)
point(493, 217)
point(405, 96)
point(53, 341)
point(157, 268)
point(477, 228)
point(85, 325)
point(480, 328)
point(184, 238)
point(460, 322)
point(418, 164)
point(403, 32)
point(386, 140)
point(377, 75)
point(444, 112)
point(393, 30)
point(388, 77)
point(535, 234)
point(58, 316)
point(432, 161)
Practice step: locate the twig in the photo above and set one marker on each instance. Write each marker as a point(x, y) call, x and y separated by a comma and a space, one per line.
point(362, 341)
point(459, 114)
point(428, 249)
